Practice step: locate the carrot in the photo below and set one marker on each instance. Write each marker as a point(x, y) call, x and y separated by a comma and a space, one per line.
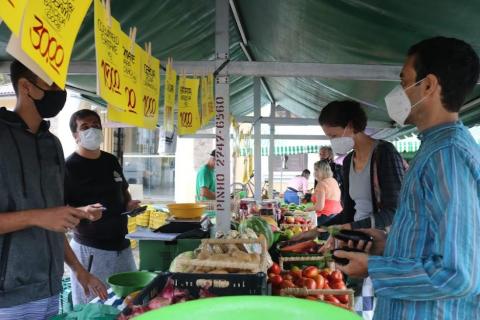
point(299, 247)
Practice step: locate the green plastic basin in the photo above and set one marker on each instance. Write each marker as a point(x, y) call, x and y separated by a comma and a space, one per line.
point(125, 283)
point(251, 308)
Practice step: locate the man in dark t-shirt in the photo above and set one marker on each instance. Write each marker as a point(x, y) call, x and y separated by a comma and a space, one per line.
point(95, 175)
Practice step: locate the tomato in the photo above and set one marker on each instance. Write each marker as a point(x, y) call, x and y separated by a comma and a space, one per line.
point(336, 276)
point(326, 286)
point(271, 275)
point(330, 298)
point(313, 298)
point(338, 285)
point(310, 283)
point(326, 281)
point(287, 276)
point(320, 281)
point(301, 282)
point(310, 272)
point(296, 272)
point(275, 268)
point(276, 280)
point(287, 284)
point(343, 298)
point(325, 273)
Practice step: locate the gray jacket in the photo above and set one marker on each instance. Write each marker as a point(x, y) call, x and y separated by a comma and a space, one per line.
point(31, 177)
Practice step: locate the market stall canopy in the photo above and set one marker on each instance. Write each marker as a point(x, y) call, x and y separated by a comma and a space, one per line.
point(374, 34)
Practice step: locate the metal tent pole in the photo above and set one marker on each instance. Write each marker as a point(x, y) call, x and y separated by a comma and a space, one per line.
point(222, 119)
point(271, 152)
point(257, 139)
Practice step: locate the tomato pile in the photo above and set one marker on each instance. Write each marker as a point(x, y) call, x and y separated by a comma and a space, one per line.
point(310, 278)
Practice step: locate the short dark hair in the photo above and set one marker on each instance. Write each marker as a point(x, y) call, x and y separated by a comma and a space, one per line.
point(453, 62)
point(82, 114)
point(305, 172)
point(341, 113)
point(18, 71)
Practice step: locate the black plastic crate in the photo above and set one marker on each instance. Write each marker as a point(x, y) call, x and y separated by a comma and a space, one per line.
point(220, 285)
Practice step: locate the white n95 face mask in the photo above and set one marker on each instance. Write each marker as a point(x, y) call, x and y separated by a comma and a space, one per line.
point(91, 139)
point(342, 145)
point(398, 103)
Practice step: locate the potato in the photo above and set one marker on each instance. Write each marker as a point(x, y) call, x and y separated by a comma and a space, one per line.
point(204, 255)
point(219, 271)
point(241, 256)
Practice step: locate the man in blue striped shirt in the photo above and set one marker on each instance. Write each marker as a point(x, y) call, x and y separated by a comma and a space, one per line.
point(430, 267)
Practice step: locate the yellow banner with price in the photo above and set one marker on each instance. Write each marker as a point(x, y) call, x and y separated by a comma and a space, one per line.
point(208, 108)
point(132, 109)
point(169, 103)
point(188, 117)
point(150, 81)
point(48, 34)
point(12, 14)
point(109, 57)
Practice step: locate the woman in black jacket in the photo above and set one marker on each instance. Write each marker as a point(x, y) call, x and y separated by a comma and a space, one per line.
point(372, 172)
point(373, 169)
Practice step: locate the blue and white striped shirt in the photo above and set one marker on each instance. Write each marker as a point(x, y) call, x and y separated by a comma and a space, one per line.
point(431, 264)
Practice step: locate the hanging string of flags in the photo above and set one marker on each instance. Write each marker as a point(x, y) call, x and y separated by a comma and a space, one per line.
point(128, 76)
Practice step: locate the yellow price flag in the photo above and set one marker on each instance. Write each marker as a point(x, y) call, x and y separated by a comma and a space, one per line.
point(130, 87)
point(131, 75)
point(109, 56)
point(169, 103)
point(208, 109)
point(48, 34)
point(204, 99)
point(188, 117)
point(150, 81)
point(210, 97)
point(12, 14)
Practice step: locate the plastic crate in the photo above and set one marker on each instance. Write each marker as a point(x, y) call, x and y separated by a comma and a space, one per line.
point(143, 219)
point(132, 227)
point(220, 285)
point(157, 219)
point(158, 255)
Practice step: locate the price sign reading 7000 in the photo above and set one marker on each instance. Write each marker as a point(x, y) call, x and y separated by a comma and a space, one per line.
point(186, 119)
point(149, 106)
point(46, 45)
point(111, 77)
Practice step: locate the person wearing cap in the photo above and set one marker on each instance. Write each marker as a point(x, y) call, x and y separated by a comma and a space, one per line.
point(206, 185)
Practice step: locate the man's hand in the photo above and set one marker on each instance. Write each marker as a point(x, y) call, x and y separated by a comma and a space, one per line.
point(59, 219)
point(377, 246)
point(133, 204)
point(93, 211)
point(357, 266)
point(92, 285)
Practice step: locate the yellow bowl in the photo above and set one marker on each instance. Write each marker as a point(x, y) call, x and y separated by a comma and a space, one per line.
point(186, 210)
